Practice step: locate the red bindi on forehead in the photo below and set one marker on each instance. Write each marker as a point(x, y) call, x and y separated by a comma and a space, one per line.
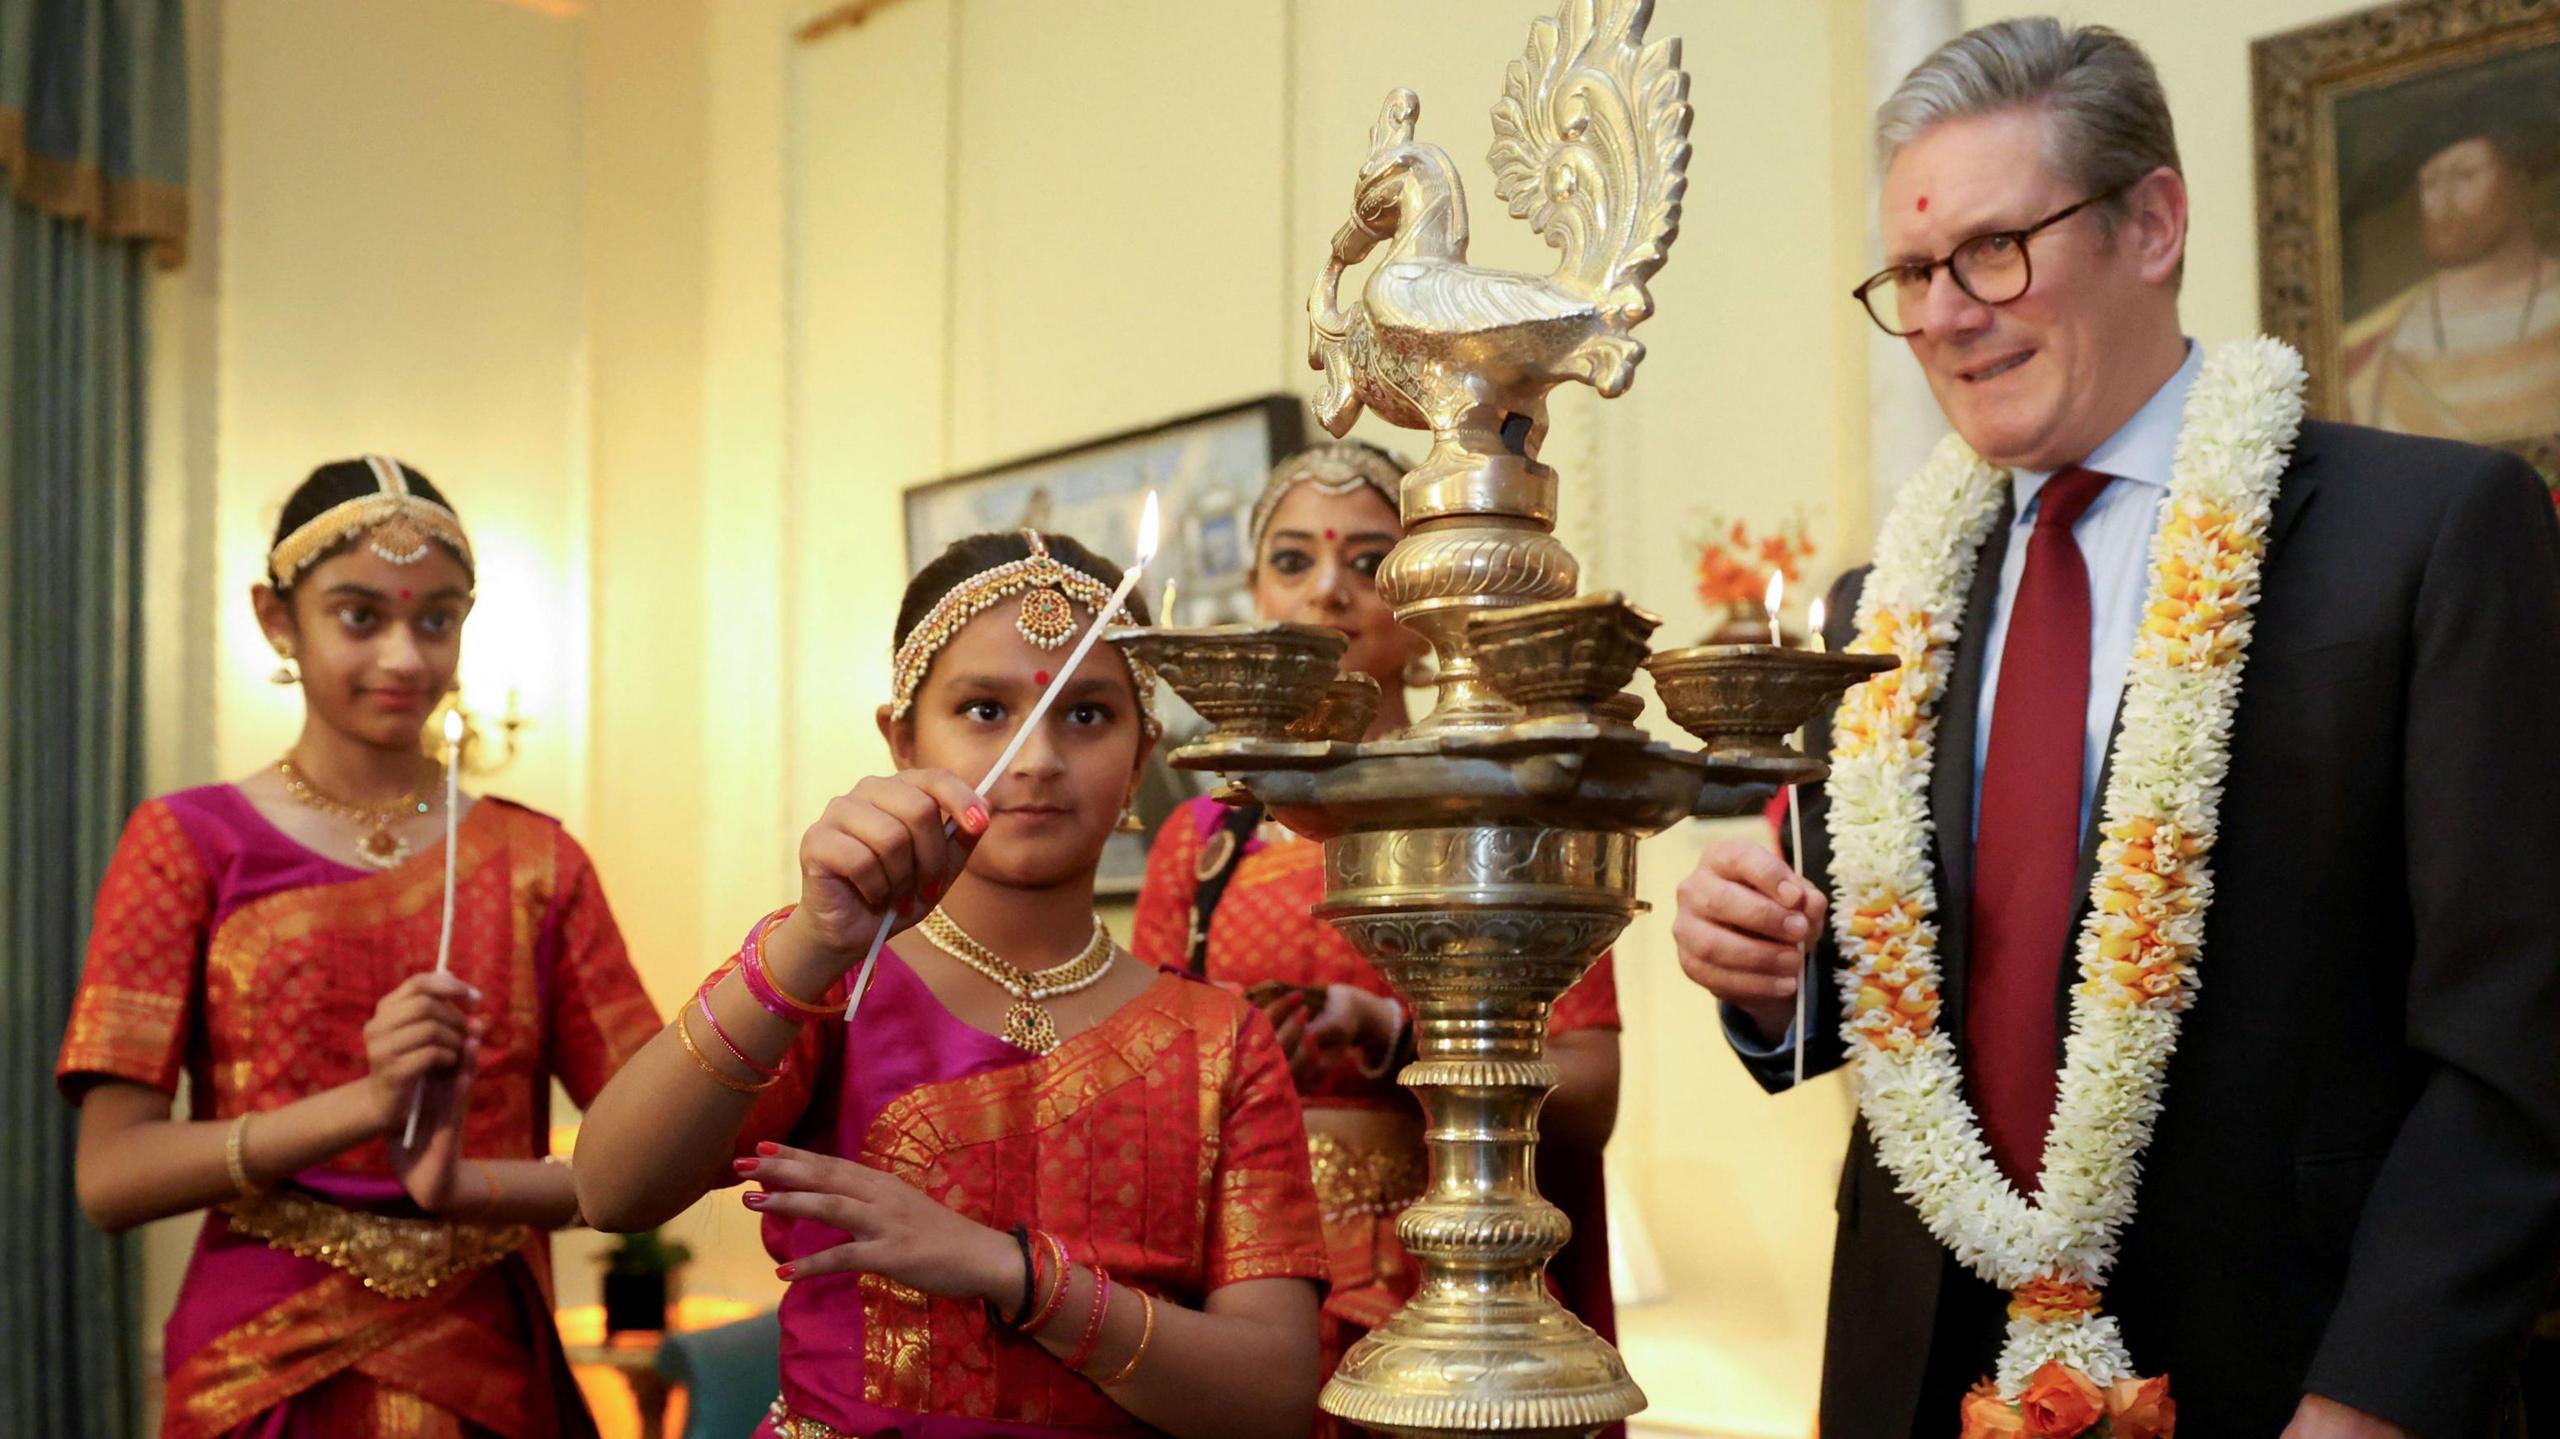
point(1330, 534)
point(1039, 677)
point(1923, 206)
point(404, 594)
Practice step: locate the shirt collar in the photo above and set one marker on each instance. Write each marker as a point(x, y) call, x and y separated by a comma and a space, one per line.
point(2143, 450)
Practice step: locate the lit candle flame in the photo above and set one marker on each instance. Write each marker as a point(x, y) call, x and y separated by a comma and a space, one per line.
point(1147, 531)
point(1813, 618)
point(453, 726)
point(1777, 603)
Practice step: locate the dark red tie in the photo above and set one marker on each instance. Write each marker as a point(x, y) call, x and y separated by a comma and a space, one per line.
point(2026, 851)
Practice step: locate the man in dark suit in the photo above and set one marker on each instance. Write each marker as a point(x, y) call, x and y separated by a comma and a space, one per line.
point(2350, 1212)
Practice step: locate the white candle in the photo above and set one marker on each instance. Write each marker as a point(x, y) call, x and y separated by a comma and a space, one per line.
point(1795, 824)
point(444, 933)
point(1022, 733)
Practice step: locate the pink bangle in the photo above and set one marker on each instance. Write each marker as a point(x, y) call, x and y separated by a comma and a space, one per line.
point(702, 997)
point(1101, 1310)
point(790, 1009)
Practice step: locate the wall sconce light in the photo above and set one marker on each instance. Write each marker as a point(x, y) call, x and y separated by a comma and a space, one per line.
point(488, 742)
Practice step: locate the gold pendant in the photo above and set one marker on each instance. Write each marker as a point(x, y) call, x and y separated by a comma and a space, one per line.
point(382, 848)
point(1029, 1026)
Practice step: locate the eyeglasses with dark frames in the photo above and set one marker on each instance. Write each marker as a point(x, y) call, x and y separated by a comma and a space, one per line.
point(1993, 268)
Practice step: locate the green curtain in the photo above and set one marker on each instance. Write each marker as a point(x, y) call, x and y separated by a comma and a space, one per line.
point(93, 140)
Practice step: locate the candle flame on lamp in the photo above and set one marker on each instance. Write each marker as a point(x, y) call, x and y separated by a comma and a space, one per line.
point(1776, 601)
point(1813, 618)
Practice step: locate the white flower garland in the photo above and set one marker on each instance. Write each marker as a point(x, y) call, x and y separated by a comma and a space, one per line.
point(2138, 950)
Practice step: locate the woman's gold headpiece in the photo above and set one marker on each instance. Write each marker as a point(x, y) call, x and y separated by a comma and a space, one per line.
point(1050, 591)
point(397, 522)
point(1340, 468)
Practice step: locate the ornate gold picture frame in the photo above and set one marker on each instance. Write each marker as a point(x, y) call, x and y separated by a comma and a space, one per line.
point(2409, 216)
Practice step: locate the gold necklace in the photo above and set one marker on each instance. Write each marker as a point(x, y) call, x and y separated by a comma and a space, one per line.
point(378, 844)
point(1028, 1024)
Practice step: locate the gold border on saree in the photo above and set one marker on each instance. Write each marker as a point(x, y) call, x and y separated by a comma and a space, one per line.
point(787, 1425)
point(394, 1257)
point(1354, 1182)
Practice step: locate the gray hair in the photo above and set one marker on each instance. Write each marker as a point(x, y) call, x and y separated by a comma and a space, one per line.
point(2110, 118)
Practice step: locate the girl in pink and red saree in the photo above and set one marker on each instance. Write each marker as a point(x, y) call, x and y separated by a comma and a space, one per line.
point(1033, 1187)
point(275, 942)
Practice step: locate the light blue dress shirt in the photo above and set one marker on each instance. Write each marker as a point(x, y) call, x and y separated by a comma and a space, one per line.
point(2114, 536)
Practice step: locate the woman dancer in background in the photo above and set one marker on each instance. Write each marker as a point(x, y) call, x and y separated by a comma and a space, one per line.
point(274, 941)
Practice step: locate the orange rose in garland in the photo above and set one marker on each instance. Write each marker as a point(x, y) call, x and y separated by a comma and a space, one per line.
point(2060, 1402)
point(2142, 1408)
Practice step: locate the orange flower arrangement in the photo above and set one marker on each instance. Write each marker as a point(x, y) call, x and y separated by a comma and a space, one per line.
point(1734, 565)
point(2062, 1403)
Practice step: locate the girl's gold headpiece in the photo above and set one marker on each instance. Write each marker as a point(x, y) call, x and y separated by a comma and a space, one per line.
point(1050, 591)
point(397, 522)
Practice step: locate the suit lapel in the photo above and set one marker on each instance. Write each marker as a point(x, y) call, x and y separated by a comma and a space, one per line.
point(2295, 488)
point(1951, 780)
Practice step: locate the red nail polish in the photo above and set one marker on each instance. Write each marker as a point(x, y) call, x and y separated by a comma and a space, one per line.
point(768, 1148)
point(754, 1201)
point(786, 1271)
point(976, 818)
point(744, 1166)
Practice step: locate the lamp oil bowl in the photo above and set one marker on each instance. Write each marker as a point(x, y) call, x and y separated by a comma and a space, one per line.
point(1248, 681)
point(1743, 701)
point(1343, 713)
point(1563, 657)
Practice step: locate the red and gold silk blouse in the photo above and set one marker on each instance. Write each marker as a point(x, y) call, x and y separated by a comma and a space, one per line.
point(1163, 1144)
point(225, 951)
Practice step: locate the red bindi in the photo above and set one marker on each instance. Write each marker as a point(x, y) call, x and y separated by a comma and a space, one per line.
point(1924, 205)
point(404, 594)
point(1039, 677)
point(1330, 535)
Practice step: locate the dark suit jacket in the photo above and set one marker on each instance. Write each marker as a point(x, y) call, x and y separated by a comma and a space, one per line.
point(2355, 1188)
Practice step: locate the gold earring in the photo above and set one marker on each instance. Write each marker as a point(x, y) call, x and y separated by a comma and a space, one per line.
point(1129, 821)
point(287, 672)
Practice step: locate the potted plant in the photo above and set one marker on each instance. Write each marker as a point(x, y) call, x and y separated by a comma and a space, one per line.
point(639, 1281)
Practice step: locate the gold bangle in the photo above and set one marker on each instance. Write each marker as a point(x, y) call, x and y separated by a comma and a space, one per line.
point(577, 1217)
point(706, 1066)
point(235, 1156)
point(1146, 1333)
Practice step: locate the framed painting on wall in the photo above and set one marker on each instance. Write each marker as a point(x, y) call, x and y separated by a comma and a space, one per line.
point(2409, 215)
point(1206, 470)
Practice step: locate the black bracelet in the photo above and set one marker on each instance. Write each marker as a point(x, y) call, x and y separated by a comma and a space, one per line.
point(1030, 1277)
